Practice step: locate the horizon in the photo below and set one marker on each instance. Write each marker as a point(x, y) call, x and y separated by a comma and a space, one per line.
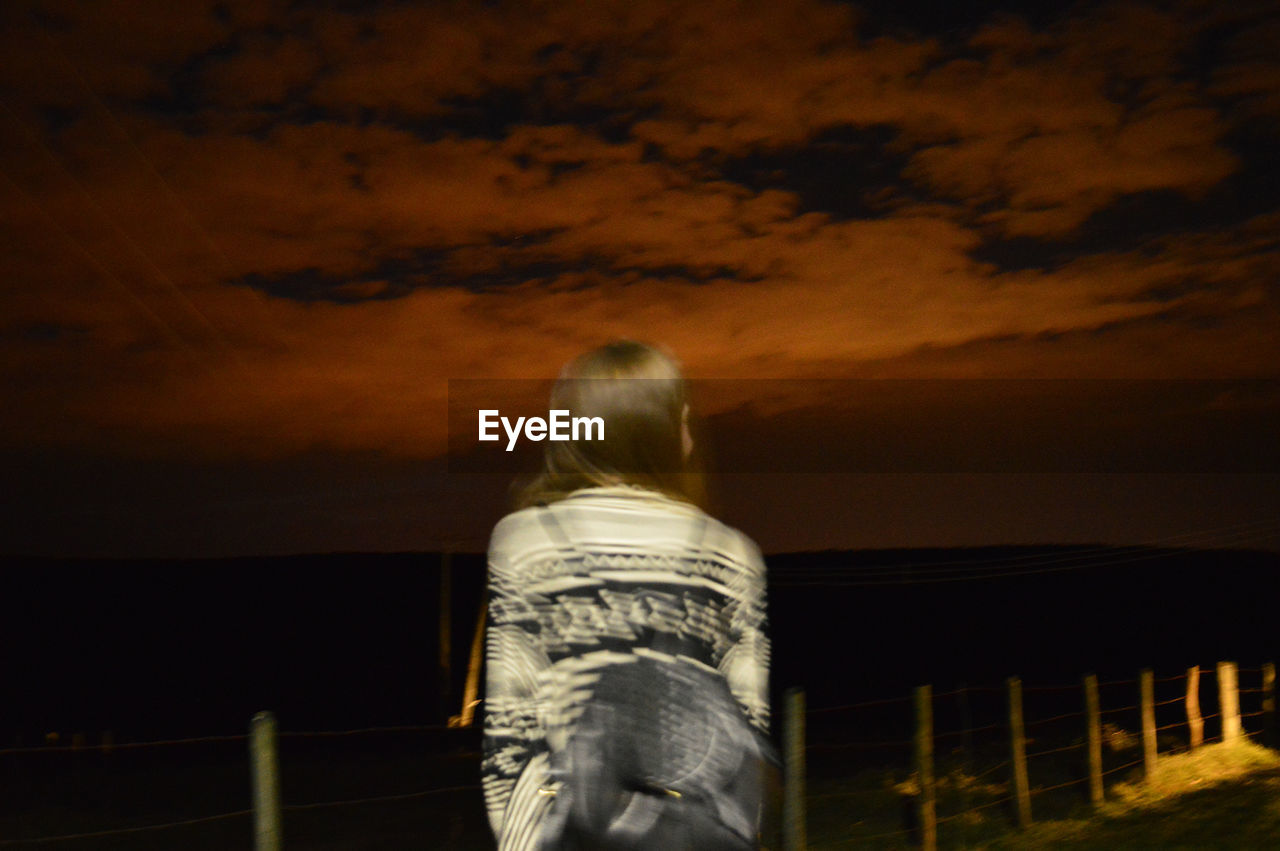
point(960, 548)
point(252, 250)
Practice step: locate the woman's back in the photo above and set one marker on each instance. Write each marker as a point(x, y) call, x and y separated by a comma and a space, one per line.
point(591, 582)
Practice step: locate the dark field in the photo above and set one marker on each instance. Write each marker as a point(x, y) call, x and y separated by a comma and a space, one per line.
point(162, 650)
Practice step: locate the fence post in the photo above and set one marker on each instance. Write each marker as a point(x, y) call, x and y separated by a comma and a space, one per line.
point(1229, 701)
point(444, 675)
point(924, 767)
point(266, 783)
point(1195, 723)
point(1269, 705)
point(793, 815)
point(966, 740)
point(466, 716)
point(1093, 733)
point(1018, 750)
point(1147, 690)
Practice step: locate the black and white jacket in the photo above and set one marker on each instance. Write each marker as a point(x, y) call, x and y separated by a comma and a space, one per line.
point(584, 583)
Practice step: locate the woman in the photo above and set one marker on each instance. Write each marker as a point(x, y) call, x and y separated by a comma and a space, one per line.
point(626, 651)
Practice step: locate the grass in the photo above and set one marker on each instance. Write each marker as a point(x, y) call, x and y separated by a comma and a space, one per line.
point(1219, 796)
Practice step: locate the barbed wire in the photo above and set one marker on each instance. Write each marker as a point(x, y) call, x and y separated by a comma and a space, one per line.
point(1181, 676)
point(999, 765)
point(1056, 750)
point(978, 808)
point(1121, 767)
point(1054, 718)
point(124, 746)
point(121, 746)
point(881, 835)
point(235, 737)
point(320, 805)
point(120, 831)
point(1073, 687)
point(360, 731)
point(847, 706)
point(880, 701)
point(821, 746)
point(850, 793)
point(970, 731)
point(1032, 793)
point(239, 813)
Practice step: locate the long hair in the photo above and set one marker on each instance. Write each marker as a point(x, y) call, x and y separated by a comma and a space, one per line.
point(640, 395)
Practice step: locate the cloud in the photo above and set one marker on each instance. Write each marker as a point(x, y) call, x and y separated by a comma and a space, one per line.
point(1250, 78)
point(301, 253)
point(56, 52)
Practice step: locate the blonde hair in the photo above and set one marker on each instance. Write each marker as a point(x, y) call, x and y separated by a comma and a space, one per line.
point(639, 393)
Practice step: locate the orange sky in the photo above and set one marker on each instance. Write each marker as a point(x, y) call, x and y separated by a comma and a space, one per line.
point(245, 233)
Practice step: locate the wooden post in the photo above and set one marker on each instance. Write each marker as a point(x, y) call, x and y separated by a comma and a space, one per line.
point(267, 834)
point(1195, 722)
point(469, 700)
point(444, 683)
point(1147, 692)
point(1229, 701)
point(966, 741)
point(1018, 752)
point(966, 722)
point(924, 768)
point(1093, 732)
point(793, 814)
point(1269, 705)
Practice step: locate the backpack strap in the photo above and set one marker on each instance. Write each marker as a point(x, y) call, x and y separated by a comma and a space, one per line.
point(554, 530)
point(547, 517)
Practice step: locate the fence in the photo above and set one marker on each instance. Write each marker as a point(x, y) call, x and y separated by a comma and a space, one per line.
point(264, 816)
point(920, 793)
point(1014, 731)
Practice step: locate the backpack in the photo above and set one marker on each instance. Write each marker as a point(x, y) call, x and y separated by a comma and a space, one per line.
point(662, 757)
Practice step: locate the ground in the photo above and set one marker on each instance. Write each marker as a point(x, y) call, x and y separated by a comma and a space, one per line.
point(1220, 796)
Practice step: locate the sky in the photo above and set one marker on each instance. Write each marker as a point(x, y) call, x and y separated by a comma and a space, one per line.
point(247, 245)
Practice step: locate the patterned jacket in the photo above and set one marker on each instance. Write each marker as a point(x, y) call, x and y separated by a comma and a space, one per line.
point(581, 584)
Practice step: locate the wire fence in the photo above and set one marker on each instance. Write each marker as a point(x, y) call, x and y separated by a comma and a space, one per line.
point(108, 751)
point(985, 768)
point(975, 769)
point(124, 831)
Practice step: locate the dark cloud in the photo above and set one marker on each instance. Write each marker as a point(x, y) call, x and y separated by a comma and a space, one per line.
point(247, 229)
